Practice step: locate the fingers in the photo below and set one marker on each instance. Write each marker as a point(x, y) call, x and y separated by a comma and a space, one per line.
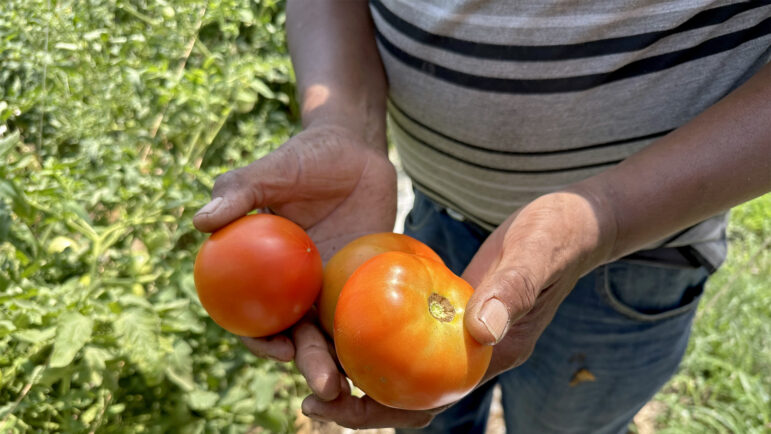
point(313, 355)
point(234, 202)
point(277, 347)
point(264, 182)
point(316, 362)
point(359, 413)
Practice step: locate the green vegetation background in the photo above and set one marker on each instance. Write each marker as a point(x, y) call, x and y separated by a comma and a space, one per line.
point(116, 116)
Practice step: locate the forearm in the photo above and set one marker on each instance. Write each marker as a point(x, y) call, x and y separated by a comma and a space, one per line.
point(340, 77)
point(718, 160)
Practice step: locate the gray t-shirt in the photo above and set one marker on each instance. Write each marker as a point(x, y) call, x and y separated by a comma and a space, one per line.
point(494, 103)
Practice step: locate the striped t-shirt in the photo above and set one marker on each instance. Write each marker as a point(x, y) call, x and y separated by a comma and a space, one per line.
point(493, 103)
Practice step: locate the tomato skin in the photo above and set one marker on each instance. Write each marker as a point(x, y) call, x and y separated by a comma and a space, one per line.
point(258, 275)
point(391, 345)
point(340, 267)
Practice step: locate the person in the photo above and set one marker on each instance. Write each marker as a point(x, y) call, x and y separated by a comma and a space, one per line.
point(573, 160)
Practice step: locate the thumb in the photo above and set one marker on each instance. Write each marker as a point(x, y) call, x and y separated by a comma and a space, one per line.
point(506, 286)
point(265, 182)
point(506, 294)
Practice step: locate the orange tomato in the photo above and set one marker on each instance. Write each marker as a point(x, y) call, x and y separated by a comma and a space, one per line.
point(399, 333)
point(258, 275)
point(340, 267)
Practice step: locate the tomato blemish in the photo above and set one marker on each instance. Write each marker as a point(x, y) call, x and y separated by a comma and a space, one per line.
point(440, 308)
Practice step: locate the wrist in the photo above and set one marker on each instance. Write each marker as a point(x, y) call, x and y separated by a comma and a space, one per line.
point(365, 118)
point(595, 235)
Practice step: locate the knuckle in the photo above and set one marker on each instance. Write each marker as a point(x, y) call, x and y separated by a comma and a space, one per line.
point(228, 180)
point(310, 340)
point(314, 349)
point(520, 288)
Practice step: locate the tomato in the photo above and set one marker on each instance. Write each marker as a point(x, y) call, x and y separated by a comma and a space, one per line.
point(258, 275)
point(399, 333)
point(340, 267)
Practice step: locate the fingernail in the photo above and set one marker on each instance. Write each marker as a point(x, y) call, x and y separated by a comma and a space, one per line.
point(210, 207)
point(495, 317)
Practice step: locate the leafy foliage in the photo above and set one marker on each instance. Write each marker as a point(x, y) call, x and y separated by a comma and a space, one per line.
point(724, 383)
point(115, 118)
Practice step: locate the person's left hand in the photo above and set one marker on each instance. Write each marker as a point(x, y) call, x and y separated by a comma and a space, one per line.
point(521, 273)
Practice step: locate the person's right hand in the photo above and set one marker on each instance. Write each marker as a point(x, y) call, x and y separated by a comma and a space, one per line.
point(335, 185)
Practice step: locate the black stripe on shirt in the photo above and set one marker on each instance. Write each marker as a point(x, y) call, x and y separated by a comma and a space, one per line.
point(502, 170)
point(401, 112)
point(577, 83)
point(545, 53)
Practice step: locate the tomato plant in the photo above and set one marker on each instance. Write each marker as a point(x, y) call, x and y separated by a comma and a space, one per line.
point(349, 258)
point(258, 275)
point(399, 332)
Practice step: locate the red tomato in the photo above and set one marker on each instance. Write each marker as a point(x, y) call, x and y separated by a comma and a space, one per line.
point(350, 257)
point(399, 333)
point(258, 275)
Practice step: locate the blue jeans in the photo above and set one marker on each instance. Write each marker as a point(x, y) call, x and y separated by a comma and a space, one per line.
point(626, 323)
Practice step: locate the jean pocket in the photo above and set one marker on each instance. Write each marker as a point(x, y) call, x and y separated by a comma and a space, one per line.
point(647, 292)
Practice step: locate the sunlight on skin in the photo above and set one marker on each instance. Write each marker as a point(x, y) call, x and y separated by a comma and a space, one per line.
point(315, 96)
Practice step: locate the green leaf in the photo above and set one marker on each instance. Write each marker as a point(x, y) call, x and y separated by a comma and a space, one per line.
point(89, 415)
point(8, 142)
point(6, 327)
point(35, 336)
point(5, 221)
point(53, 374)
point(180, 369)
point(264, 388)
point(117, 408)
point(94, 364)
point(273, 420)
point(5, 410)
point(137, 331)
point(21, 205)
point(260, 87)
point(200, 400)
point(82, 165)
point(245, 100)
point(73, 331)
point(180, 303)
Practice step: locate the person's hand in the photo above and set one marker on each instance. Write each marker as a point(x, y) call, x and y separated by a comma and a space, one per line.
point(521, 273)
point(527, 267)
point(335, 185)
point(326, 179)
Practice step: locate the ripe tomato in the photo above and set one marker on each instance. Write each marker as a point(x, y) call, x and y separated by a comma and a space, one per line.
point(258, 275)
point(399, 333)
point(350, 257)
